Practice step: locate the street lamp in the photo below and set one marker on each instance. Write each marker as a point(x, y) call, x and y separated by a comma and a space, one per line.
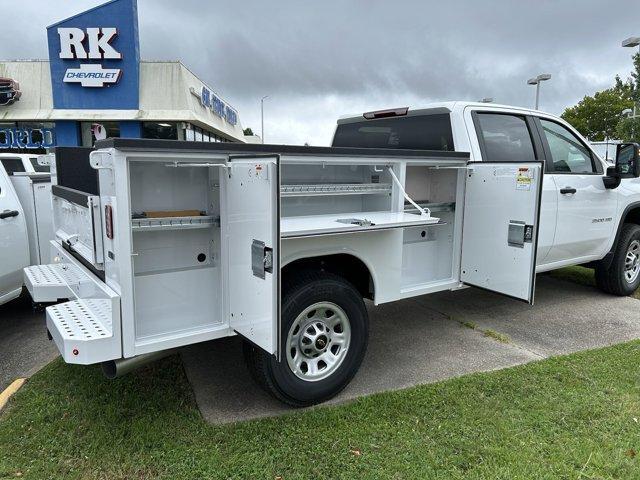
point(631, 42)
point(262, 115)
point(536, 81)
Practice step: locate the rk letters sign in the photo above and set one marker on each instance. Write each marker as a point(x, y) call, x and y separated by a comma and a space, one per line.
point(98, 47)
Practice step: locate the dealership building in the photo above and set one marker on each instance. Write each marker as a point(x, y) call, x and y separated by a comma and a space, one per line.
point(95, 86)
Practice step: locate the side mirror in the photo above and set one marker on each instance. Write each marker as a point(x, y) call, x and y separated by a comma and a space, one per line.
point(611, 179)
point(628, 160)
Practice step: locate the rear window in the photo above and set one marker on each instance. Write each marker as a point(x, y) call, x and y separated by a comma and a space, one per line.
point(420, 132)
point(12, 165)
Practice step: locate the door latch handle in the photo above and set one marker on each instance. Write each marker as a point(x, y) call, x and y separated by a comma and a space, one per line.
point(9, 214)
point(567, 190)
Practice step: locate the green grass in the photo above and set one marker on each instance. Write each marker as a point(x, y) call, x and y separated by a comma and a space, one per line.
point(567, 417)
point(581, 275)
point(500, 337)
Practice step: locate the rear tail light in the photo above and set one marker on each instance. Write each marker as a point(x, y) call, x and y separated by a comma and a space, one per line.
point(392, 112)
point(108, 221)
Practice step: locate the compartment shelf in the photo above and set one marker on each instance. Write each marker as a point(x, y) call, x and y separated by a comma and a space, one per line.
point(304, 226)
point(173, 223)
point(306, 190)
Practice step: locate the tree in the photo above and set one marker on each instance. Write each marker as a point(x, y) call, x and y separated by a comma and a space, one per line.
point(248, 131)
point(597, 117)
point(628, 128)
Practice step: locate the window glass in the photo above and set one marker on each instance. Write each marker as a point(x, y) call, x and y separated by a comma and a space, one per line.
point(506, 138)
point(13, 165)
point(568, 153)
point(161, 130)
point(418, 132)
point(39, 168)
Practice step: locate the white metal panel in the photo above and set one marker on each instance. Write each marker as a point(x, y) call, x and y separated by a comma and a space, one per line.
point(498, 194)
point(251, 213)
point(14, 246)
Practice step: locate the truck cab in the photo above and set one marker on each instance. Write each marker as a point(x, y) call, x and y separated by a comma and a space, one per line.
point(581, 215)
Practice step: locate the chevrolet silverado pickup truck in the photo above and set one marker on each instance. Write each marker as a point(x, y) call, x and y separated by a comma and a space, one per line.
point(587, 217)
point(161, 244)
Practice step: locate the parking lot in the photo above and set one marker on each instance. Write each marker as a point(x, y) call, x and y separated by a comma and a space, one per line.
point(412, 342)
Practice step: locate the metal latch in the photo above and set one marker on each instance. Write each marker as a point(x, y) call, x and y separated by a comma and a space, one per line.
point(519, 233)
point(261, 259)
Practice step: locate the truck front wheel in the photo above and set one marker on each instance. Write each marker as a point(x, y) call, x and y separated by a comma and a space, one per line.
point(324, 339)
point(623, 275)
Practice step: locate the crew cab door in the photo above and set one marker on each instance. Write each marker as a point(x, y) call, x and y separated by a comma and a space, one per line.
point(500, 227)
point(14, 242)
point(251, 228)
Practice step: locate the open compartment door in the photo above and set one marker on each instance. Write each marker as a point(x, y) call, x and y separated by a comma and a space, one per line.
point(500, 229)
point(251, 218)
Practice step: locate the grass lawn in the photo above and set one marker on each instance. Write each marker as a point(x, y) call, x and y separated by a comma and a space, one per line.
point(581, 275)
point(567, 417)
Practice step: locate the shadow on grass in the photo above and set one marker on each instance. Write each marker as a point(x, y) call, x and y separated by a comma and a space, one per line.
point(581, 275)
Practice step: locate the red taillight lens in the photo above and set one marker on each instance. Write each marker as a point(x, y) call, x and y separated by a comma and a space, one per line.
point(108, 221)
point(393, 112)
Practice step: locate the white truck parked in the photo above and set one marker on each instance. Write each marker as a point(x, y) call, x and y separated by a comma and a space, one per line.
point(25, 219)
point(182, 242)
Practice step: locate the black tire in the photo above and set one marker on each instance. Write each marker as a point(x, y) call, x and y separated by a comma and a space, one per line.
point(612, 280)
point(299, 293)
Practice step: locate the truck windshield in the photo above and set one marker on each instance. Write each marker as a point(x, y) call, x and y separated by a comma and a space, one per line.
point(417, 132)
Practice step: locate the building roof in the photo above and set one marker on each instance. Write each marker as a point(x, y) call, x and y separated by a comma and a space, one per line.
point(168, 92)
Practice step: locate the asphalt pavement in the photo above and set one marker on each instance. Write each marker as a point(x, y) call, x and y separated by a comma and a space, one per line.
point(423, 340)
point(24, 346)
point(416, 341)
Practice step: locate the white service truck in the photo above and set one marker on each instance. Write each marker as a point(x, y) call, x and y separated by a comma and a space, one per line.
point(171, 243)
point(25, 219)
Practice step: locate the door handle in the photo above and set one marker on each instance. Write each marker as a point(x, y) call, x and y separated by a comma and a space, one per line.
point(567, 190)
point(8, 214)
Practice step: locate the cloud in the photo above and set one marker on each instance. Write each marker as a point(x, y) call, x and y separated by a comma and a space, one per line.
point(320, 60)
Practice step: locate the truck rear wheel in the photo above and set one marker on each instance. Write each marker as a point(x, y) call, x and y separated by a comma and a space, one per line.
point(623, 275)
point(325, 330)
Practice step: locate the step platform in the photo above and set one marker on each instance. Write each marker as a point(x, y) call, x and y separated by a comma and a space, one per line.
point(83, 330)
point(50, 283)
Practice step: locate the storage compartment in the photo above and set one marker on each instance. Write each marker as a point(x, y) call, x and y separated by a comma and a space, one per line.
point(176, 248)
point(428, 254)
point(321, 189)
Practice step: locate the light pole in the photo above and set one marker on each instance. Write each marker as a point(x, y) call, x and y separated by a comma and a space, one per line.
point(630, 43)
point(262, 115)
point(536, 81)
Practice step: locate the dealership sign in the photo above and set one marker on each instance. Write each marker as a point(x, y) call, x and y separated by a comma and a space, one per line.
point(26, 138)
point(98, 40)
point(94, 58)
point(210, 100)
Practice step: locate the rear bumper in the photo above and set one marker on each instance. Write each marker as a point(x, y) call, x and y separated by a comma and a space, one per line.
point(86, 329)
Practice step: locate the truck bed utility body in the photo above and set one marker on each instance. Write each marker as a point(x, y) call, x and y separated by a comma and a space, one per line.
point(161, 244)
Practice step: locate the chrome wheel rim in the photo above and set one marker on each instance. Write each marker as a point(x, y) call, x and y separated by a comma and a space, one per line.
point(632, 262)
point(318, 341)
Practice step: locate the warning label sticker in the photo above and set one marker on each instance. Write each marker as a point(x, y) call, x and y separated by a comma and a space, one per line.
point(524, 178)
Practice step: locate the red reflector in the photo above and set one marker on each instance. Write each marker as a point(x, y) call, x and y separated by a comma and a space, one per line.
point(392, 112)
point(108, 221)
point(75, 351)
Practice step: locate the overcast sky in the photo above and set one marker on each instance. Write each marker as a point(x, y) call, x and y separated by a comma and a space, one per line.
point(318, 60)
